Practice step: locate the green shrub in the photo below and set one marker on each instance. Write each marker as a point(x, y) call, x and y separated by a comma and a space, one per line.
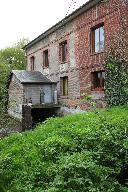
point(85, 153)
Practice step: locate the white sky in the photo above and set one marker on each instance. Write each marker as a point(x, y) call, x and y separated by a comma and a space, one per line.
point(30, 18)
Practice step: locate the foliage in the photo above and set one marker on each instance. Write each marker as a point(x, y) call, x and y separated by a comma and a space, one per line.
point(116, 81)
point(10, 58)
point(116, 84)
point(88, 99)
point(84, 152)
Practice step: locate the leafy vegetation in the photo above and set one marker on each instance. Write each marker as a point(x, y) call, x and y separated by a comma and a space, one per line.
point(10, 58)
point(116, 82)
point(84, 152)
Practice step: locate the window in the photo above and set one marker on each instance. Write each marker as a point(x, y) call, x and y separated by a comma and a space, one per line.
point(63, 51)
point(98, 78)
point(97, 39)
point(64, 86)
point(45, 59)
point(32, 63)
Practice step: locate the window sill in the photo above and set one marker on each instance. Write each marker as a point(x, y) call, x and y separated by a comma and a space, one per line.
point(97, 91)
point(64, 62)
point(97, 53)
point(45, 67)
point(64, 97)
point(98, 95)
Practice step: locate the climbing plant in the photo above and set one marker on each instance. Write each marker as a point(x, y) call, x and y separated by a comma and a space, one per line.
point(116, 81)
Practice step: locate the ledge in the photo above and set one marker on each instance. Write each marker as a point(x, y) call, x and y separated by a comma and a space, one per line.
point(49, 105)
point(97, 95)
point(93, 54)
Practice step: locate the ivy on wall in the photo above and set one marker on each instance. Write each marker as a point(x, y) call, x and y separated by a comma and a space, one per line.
point(116, 85)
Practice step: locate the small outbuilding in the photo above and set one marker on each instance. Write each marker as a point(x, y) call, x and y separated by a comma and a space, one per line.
point(30, 89)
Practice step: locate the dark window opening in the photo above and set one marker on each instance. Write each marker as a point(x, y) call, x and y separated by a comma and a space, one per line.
point(32, 63)
point(64, 86)
point(97, 39)
point(45, 59)
point(98, 79)
point(63, 51)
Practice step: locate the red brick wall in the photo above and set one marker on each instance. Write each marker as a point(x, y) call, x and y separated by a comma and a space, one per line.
point(107, 12)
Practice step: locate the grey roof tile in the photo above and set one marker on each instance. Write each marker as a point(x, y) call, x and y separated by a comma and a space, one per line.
point(31, 76)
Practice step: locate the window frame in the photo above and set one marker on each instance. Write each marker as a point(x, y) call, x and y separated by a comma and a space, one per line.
point(63, 51)
point(92, 39)
point(46, 64)
point(64, 86)
point(32, 63)
point(95, 79)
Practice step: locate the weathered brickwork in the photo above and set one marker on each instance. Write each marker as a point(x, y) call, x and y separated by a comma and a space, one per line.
point(16, 98)
point(81, 62)
point(57, 69)
point(108, 13)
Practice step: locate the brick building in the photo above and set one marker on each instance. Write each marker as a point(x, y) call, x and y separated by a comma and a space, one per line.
point(30, 89)
point(72, 52)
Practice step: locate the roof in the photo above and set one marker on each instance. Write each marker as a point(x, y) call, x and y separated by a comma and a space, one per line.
point(31, 77)
point(88, 5)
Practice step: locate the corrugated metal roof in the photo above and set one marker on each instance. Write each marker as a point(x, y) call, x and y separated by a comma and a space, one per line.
point(31, 76)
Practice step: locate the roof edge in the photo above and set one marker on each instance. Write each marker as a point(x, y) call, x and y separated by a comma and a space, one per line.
point(88, 5)
point(37, 83)
point(15, 72)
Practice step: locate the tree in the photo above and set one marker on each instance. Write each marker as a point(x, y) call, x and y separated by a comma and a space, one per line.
point(14, 57)
point(10, 58)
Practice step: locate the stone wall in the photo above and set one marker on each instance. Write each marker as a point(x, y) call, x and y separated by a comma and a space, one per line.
point(81, 62)
point(26, 118)
point(57, 70)
point(33, 92)
point(16, 98)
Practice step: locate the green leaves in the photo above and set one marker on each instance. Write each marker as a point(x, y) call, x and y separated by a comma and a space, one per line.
point(10, 58)
point(84, 153)
point(116, 82)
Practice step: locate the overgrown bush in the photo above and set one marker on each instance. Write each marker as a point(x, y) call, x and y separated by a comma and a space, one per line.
point(85, 153)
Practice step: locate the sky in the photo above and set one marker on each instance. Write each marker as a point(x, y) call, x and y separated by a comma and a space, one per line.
point(29, 18)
